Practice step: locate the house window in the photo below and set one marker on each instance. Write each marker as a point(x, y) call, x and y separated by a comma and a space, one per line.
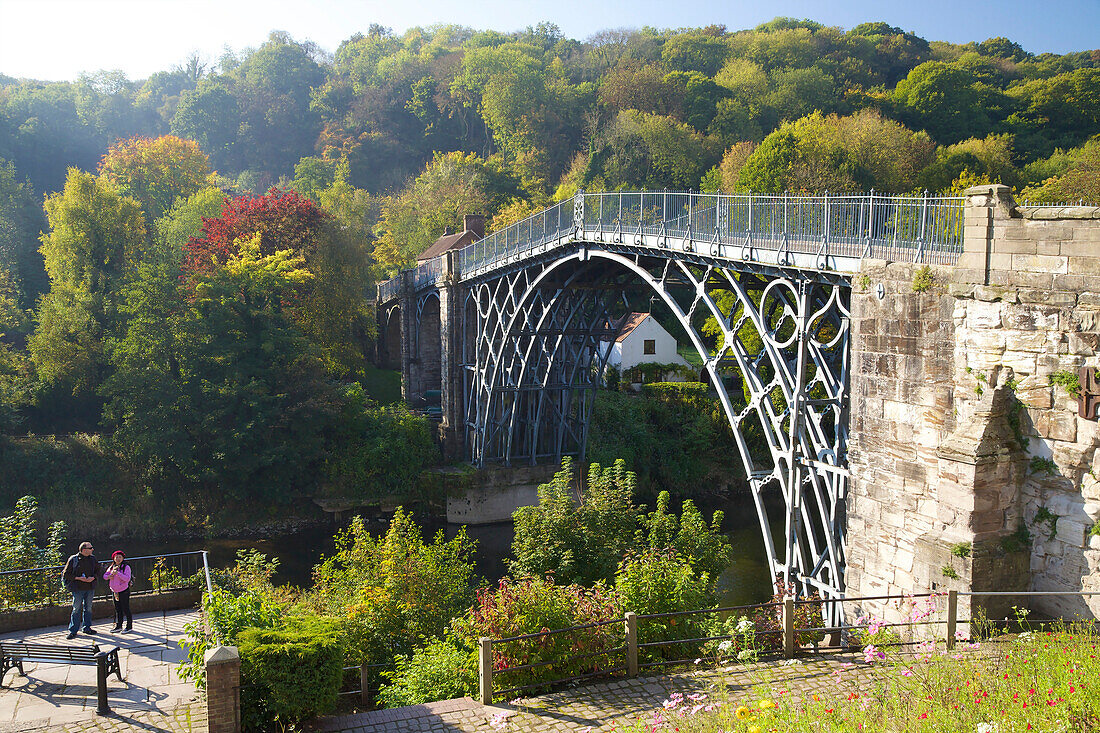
point(649, 346)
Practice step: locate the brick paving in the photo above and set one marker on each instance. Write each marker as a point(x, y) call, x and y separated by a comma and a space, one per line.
point(61, 697)
point(607, 705)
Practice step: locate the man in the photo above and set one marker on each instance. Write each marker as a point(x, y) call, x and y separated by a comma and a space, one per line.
point(81, 572)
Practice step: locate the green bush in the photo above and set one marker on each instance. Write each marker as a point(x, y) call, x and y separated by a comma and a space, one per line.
point(577, 542)
point(441, 670)
point(19, 549)
point(585, 542)
point(288, 675)
point(660, 581)
point(226, 616)
point(394, 591)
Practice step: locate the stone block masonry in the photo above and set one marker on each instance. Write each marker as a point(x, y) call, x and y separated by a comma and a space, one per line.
point(969, 419)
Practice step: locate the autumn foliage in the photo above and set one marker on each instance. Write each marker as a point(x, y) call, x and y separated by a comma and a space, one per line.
point(156, 171)
point(283, 219)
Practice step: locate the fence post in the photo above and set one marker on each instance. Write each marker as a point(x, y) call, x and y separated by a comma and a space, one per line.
point(485, 669)
point(952, 613)
point(788, 627)
point(364, 695)
point(223, 689)
point(631, 644)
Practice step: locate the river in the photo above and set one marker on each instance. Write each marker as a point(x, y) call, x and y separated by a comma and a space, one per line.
point(745, 581)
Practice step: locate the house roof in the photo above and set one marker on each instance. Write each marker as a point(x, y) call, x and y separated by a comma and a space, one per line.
point(446, 243)
point(633, 320)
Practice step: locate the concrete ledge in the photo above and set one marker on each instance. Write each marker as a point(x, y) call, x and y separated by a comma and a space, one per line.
point(34, 618)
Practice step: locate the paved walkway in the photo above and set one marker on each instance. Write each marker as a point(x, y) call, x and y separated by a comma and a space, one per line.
point(604, 706)
point(61, 697)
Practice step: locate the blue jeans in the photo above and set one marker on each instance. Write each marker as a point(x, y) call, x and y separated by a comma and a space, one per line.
point(82, 610)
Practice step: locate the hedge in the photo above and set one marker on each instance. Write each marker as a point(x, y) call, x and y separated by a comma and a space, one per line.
point(288, 675)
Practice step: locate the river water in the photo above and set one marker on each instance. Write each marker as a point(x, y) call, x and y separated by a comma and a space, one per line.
point(745, 581)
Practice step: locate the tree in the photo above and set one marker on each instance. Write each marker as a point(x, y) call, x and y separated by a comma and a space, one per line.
point(20, 222)
point(156, 172)
point(96, 237)
point(283, 219)
point(210, 115)
point(637, 150)
point(95, 234)
point(450, 186)
point(185, 220)
point(694, 52)
point(259, 402)
point(948, 102)
point(821, 153)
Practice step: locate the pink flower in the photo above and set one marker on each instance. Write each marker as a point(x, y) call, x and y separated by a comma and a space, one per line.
point(872, 654)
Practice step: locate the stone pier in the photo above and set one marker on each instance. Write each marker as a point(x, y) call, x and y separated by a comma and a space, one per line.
point(971, 468)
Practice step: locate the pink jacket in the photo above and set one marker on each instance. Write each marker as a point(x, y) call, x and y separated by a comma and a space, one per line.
point(119, 581)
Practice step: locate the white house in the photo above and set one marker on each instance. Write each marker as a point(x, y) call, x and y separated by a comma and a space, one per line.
point(641, 340)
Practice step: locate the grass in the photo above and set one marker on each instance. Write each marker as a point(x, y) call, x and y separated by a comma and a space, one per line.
point(1036, 680)
point(690, 355)
point(383, 385)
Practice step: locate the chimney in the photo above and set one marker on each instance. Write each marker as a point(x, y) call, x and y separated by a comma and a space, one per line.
point(447, 231)
point(474, 223)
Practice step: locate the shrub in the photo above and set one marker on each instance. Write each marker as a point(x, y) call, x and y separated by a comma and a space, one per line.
point(393, 591)
point(19, 549)
point(441, 670)
point(585, 542)
point(288, 675)
point(226, 615)
point(535, 605)
point(660, 581)
point(577, 542)
point(703, 546)
point(923, 279)
point(1068, 381)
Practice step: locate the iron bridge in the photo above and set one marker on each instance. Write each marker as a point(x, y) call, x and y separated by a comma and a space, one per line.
point(761, 286)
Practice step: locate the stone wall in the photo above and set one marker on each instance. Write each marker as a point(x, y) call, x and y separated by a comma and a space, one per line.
point(966, 460)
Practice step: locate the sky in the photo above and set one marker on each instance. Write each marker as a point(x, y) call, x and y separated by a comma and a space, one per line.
point(59, 39)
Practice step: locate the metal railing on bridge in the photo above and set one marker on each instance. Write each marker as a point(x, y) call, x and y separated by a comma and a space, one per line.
point(920, 229)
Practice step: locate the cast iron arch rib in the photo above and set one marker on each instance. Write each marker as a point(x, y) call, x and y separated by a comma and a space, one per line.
point(536, 361)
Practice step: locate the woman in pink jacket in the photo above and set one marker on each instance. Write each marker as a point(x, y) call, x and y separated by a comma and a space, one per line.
point(118, 576)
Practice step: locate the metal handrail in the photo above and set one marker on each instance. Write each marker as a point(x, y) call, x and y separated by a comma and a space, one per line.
point(920, 229)
point(43, 587)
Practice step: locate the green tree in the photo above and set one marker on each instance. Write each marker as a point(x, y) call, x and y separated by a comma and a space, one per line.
point(948, 102)
point(21, 221)
point(96, 236)
point(211, 115)
point(450, 186)
point(395, 590)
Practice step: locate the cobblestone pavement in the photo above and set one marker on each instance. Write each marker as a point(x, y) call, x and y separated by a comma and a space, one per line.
point(61, 697)
point(605, 706)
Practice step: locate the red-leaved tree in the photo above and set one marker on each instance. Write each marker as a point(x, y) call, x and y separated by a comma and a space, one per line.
point(283, 219)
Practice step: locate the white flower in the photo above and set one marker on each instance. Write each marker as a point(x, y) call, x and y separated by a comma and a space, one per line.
point(744, 625)
point(987, 728)
point(725, 645)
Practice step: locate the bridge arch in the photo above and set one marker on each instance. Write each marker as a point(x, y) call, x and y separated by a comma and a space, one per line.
point(427, 344)
point(535, 319)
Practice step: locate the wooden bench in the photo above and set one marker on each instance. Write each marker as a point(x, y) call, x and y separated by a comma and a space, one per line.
point(14, 653)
